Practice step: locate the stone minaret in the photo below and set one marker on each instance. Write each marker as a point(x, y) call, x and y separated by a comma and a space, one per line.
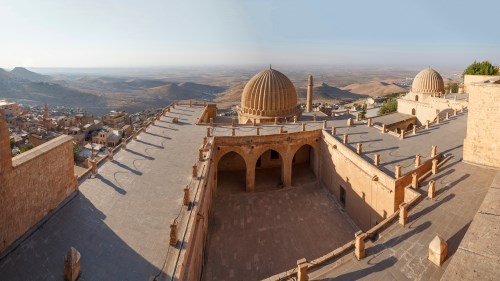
point(309, 93)
point(46, 112)
point(5, 152)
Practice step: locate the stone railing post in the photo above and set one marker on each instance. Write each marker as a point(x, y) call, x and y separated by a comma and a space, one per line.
point(334, 131)
point(402, 134)
point(233, 132)
point(438, 250)
point(303, 127)
point(359, 148)
point(186, 198)
point(431, 192)
point(434, 151)
point(205, 140)
point(134, 134)
point(434, 166)
point(295, 119)
point(324, 124)
point(447, 115)
point(72, 265)
point(257, 131)
point(281, 130)
point(383, 128)
point(302, 267)
point(200, 154)
point(427, 124)
point(437, 119)
point(414, 129)
point(350, 122)
point(418, 160)
point(403, 213)
point(93, 167)
point(195, 171)
point(359, 245)
point(414, 180)
point(455, 112)
point(173, 233)
point(358, 117)
point(124, 143)
point(369, 123)
point(110, 153)
point(346, 138)
point(209, 131)
point(376, 159)
point(397, 172)
point(275, 120)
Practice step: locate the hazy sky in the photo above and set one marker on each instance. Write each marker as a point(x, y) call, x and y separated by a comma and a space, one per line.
point(142, 33)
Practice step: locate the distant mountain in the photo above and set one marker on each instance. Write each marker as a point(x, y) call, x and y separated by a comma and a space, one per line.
point(373, 88)
point(232, 94)
point(186, 90)
point(23, 73)
point(325, 92)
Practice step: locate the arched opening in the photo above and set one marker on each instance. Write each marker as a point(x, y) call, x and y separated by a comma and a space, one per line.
point(303, 166)
point(413, 111)
point(269, 171)
point(409, 128)
point(416, 97)
point(231, 174)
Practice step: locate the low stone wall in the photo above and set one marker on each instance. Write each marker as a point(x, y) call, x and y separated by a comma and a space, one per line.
point(40, 179)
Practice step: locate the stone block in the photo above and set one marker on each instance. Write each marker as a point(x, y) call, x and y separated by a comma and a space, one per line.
point(438, 249)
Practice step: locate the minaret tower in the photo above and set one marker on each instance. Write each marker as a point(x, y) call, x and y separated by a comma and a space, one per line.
point(5, 152)
point(309, 93)
point(46, 112)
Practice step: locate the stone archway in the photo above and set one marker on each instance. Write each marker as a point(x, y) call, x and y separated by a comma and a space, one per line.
point(269, 170)
point(303, 165)
point(231, 173)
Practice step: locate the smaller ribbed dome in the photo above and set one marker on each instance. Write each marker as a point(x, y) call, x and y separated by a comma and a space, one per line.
point(428, 81)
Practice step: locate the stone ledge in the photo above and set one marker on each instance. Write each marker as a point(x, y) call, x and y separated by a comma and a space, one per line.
point(40, 150)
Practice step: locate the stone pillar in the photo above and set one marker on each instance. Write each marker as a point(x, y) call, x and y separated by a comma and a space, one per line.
point(359, 149)
point(324, 124)
point(431, 192)
point(205, 140)
point(359, 244)
point(134, 134)
point(376, 159)
point(175, 120)
point(414, 180)
point(200, 154)
point(233, 132)
point(447, 115)
point(93, 167)
point(438, 249)
point(287, 173)
point(402, 134)
point(346, 138)
point(350, 122)
point(281, 130)
point(417, 160)
point(397, 172)
point(186, 198)
point(309, 93)
point(253, 122)
point(302, 267)
point(403, 213)
point(72, 265)
point(383, 128)
point(437, 119)
point(456, 112)
point(124, 143)
point(110, 153)
point(414, 129)
point(211, 121)
point(369, 123)
point(275, 120)
point(358, 117)
point(173, 233)
point(209, 132)
point(427, 124)
point(195, 171)
point(434, 166)
point(250, 179)
point(434, 151)
point(334, 131)
point(303, 127)
point(257, 131)
point(295, 119)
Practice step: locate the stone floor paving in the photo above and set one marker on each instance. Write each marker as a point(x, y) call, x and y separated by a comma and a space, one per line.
point(254, 235)
point(119, 221)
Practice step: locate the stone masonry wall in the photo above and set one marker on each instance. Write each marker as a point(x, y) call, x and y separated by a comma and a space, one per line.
point(481, 145)
point(38, 182)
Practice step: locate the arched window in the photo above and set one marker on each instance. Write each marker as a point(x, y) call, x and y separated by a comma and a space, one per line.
point(416, 97)
point(413, 111)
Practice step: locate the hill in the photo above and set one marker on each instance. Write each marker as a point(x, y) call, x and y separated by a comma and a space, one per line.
point(23, 73)
point(373, 88)
point(185, 90)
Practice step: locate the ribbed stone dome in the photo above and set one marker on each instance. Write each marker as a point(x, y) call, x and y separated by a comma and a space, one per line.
point(269, 94)
point(428, 81)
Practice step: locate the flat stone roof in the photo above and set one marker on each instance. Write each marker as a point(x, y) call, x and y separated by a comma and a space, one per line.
point(119, 221)
point(392, 118)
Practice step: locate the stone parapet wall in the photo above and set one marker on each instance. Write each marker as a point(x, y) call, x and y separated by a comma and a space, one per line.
point(469, 79)
point(40, 179)
point(481, 145)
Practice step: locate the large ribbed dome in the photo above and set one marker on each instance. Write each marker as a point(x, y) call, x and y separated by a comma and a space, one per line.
point(428, 81)
point(270, 94)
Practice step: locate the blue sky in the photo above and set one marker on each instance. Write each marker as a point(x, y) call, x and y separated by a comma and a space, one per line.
point(143, 33)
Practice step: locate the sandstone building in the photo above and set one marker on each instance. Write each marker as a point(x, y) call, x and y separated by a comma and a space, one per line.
point(276, 196)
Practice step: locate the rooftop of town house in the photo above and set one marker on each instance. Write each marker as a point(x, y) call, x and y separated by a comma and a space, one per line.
point(119, 220)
